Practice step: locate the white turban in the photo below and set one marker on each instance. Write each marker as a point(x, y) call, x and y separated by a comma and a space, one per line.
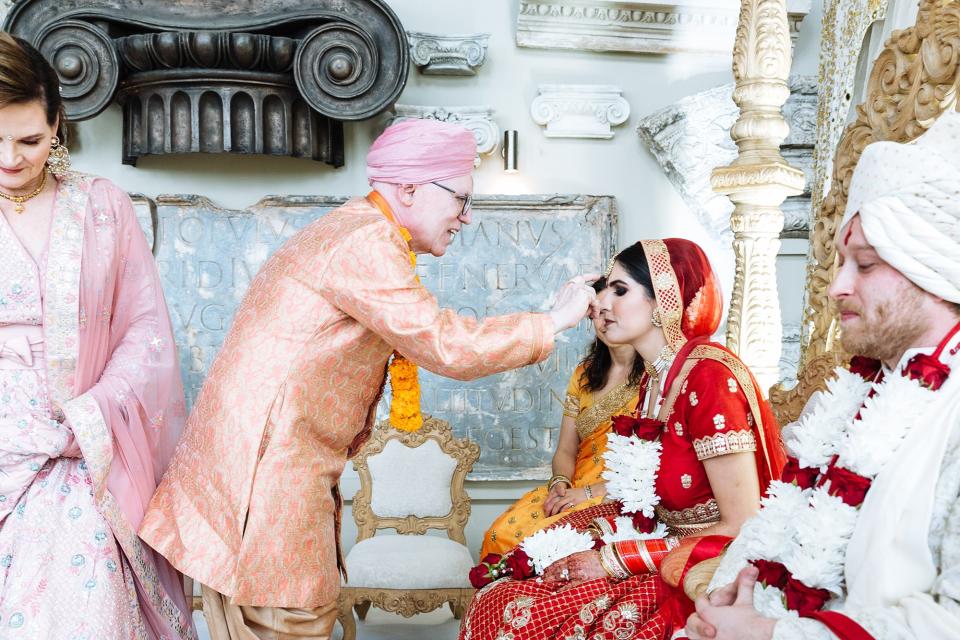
point(908, 198)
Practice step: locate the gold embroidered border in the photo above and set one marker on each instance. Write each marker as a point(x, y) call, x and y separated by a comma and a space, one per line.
point(571, 405)
point(605, 408)
point(666, 289)
point(723, 443)
point(705, 513)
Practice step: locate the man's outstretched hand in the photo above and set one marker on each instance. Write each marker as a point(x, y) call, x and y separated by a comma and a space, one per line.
point(573, 301)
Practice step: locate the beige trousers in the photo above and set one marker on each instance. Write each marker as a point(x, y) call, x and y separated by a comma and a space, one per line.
point(228, 621)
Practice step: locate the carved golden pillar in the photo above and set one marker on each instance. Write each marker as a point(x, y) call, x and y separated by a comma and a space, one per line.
point(757, 183)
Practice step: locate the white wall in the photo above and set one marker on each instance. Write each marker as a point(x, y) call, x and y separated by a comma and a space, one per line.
point(649, 206)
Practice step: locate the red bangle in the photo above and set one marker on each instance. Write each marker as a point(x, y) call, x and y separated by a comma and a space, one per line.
point(643, 556)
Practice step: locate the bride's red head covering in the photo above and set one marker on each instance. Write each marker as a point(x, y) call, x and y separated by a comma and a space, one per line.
point(690, 302)
point(684, 284)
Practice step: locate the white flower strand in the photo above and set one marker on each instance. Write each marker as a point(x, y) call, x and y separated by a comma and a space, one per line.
point(623, 529)
point(808, 530)
point(631, 477)
point(630, 472)
point(547, 546)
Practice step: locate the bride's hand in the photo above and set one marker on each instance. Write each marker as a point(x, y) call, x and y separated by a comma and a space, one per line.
point(574, 570)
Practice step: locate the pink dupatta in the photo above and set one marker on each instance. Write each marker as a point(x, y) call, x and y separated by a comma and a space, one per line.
point(112, 367)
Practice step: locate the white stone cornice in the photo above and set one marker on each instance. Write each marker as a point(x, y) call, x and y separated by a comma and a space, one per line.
point(579, 110)
point(478, 119)
point(448, 55)
point(668, 26)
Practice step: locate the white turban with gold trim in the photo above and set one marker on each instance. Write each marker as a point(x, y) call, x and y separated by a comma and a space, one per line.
point(908, 198)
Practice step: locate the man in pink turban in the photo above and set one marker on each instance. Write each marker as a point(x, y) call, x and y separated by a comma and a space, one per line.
point(249, 506)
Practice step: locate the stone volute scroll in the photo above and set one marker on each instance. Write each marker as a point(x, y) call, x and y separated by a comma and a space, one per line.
point(274, 77)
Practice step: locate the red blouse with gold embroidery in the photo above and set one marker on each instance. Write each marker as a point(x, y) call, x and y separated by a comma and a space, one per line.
point(710, 417)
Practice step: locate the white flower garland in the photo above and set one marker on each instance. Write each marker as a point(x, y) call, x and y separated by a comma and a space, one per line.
point(623, 529)
point(630, 472)
point(808, 530)
point(631, 476)
point(547, 546)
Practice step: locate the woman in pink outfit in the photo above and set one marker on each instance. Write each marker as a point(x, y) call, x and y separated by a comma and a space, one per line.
point(91, 403)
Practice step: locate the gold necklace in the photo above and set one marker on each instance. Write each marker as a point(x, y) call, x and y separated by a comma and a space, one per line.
point(19, 200)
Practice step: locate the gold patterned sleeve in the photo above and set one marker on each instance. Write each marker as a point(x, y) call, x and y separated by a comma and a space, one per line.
point(571, 404)
point(370, 279)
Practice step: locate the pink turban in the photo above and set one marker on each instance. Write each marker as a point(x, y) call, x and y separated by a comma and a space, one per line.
point(420, 151)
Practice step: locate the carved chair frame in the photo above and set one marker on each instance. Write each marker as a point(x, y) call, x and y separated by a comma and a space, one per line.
point(914, 80)
point(409, 602)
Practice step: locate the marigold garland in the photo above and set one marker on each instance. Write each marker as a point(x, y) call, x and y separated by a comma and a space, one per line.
point(405, 412)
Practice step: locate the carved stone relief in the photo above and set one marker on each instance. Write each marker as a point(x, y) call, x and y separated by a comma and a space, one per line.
point(579, 110)
point(442, 55)
point(691, 136)
point(213, 76)
point(479, 120)
point(518, 248)
point(668, 26)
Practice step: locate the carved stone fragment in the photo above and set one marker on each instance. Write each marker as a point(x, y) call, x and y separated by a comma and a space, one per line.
point(579, 110)
point(665, 26)
point(269, 77)
point(691, 136)
point(440, 55)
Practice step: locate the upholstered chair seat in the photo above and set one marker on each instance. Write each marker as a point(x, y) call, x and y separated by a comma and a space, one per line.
point(411, 483)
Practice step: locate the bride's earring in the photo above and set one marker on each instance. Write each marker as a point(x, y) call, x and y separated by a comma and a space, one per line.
point(655, 319)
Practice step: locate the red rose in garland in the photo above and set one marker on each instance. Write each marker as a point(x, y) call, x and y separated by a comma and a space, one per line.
point(772, 574)
point(490, 568)
point(480, 576)
point(643, 524)
point(848, 486)
point(803, 477)
point(643, 428)
point(804, 599)
point(623, 425)
point(866, 368)
point(518, 564)
point(927, 370)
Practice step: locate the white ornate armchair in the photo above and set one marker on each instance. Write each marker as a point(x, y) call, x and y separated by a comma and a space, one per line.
point(410, 482)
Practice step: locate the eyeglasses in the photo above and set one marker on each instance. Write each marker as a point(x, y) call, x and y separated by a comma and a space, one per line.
point(467, 199)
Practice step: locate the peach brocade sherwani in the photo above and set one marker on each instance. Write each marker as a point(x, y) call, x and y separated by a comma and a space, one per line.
point(250, 505)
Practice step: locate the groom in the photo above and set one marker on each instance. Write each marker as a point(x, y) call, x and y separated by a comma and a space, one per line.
point(882, 478)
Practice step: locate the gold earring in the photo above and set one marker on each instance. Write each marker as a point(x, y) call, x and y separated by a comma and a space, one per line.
point(59, 159)
point(655, 319)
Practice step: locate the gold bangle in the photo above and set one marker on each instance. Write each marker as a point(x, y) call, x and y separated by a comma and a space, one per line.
point(557, 479)
point(612, 564)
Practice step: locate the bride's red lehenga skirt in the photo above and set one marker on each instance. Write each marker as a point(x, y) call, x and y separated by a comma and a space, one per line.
point(636, 608)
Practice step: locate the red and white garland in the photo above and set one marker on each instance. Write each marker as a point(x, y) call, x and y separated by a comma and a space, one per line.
point(632, 459)
point(799, 539)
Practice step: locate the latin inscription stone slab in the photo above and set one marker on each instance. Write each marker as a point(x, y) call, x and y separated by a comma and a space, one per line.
point(516, 253)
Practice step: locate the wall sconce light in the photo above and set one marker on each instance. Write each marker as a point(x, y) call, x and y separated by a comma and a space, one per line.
point(509, 151)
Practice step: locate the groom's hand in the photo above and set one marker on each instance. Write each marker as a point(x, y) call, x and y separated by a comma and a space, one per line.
point(728, 613)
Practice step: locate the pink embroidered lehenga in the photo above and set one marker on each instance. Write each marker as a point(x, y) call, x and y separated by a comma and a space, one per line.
point(85, 328)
